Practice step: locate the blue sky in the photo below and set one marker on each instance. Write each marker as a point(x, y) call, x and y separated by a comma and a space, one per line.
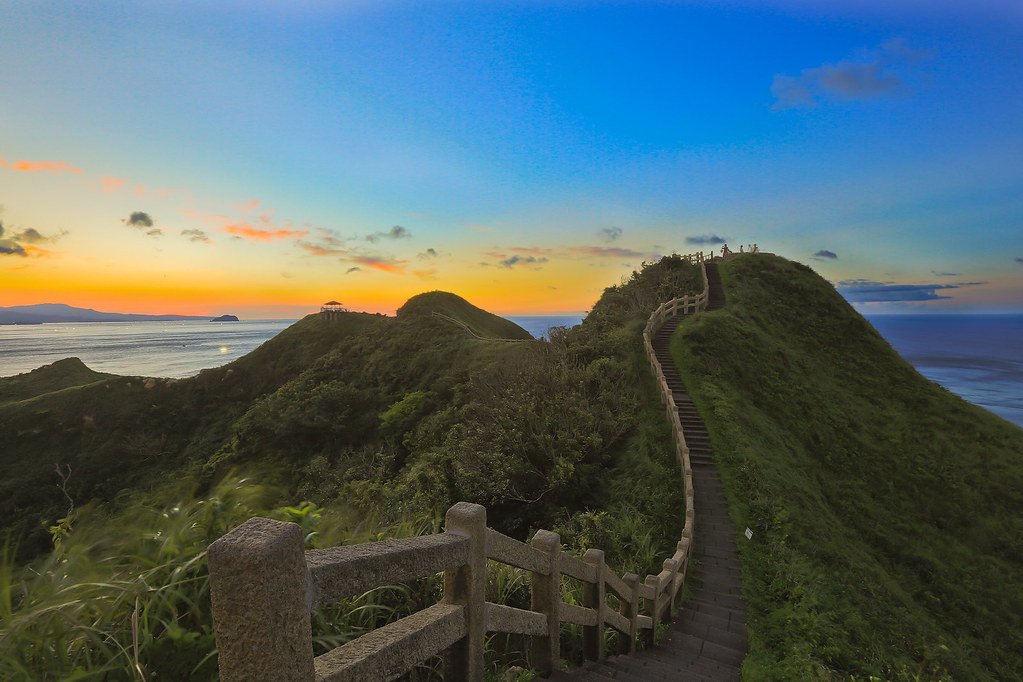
point(532, 153)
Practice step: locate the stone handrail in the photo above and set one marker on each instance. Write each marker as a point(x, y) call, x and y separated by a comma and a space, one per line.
point(264, 586)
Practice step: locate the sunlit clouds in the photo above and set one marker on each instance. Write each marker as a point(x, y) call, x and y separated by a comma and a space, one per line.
point(38, 166)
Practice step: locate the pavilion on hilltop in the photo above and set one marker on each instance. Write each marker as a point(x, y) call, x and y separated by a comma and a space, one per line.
point(332, 309)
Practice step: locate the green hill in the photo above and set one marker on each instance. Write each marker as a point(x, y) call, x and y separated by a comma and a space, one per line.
point(887, 533)
point(48, 378)
point(482, 323)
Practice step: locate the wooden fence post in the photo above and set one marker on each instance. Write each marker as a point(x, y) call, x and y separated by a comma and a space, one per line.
point(629, 609)
point(467, 585)
point(593, 598)
point(258, 587)
point(545, 598)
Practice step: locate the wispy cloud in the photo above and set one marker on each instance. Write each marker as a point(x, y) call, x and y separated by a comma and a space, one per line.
point(382, 263)
point(610, 234)
point(521, 260)
point(705, 239)
point(247, 231)
point(1019, 260)
point(429, 254)
point(265, 230)
point(610, 252)
point(196, 236)
point(39, 166)
point(23, 243)
point(824, 253)
point(868, 75)
point(111, 183)
point(945, 274)
point(353, 269)
point(425, 274)
point(866, 291)
point(396, 232)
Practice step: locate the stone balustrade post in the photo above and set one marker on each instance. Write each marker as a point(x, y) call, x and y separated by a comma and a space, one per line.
point(593, 598)
point(259, 586)
point(545, 598)
point(467, 585)
point(629, 609)
point(653, 609)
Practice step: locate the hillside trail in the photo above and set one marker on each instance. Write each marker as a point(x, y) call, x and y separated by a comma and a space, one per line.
point(707, 639)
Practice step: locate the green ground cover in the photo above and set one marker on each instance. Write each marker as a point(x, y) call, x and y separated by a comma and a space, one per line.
point(888, 538)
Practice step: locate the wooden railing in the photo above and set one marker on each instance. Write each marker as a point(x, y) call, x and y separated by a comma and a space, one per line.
point(264, 586)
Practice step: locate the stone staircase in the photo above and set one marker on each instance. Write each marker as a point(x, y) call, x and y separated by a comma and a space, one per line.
point(707, 639)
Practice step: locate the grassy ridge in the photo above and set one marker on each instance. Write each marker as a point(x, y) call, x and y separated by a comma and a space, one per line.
point(885, 510)
point(359, 427)
point(480, 321)
point(66, 373)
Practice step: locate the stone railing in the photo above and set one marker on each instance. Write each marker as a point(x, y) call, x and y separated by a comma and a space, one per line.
point(264, 585)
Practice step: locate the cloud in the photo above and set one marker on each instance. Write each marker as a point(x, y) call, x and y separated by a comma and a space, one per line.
point(610, 234)
point(139, 219)
point(945, 274)
point(705, 239)
point(351, 270)
point(196, 236)
point(396, 232)
point(872, 74)
point(39, 166)
point(610, 252)
point(110, 183)
point(824, 253)
point(425, 274)
point(245, 230)
point(321, 249)
point(287, 275)
point(384, 264)
point(865, 291)
point(32, 236)
point(1019, 260)
point(20, 243)
point(517, 259)
point(429, 254)
point(9, 246)
point(155, 232)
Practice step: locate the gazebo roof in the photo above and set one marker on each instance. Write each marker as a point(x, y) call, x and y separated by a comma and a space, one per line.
point(331, 303)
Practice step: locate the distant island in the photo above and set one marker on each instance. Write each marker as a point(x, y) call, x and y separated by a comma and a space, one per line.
point(225, 318)
point(59, 312)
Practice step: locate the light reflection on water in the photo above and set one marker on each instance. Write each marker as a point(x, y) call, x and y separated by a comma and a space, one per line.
point(160, 349)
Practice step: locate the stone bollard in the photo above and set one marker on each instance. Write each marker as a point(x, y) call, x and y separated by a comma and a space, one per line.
point(259, 589)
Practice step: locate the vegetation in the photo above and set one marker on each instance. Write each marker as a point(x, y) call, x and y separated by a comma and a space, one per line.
point(358, 427)
point(887, 539)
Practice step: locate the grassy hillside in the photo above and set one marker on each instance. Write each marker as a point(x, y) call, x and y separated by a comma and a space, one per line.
point(478, 320)
point(360, 427)
point(888, 538)
point(59, 375)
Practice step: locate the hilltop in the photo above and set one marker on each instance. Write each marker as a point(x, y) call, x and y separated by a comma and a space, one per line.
point(887, 535)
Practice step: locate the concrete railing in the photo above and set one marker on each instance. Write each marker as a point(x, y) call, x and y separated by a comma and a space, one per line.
point(264, 585)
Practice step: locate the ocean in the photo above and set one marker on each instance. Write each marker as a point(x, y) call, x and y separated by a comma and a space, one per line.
point(978, 357)
point(158, 349)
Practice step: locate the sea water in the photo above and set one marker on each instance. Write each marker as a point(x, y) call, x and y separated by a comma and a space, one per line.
point(157, 349)
point(978, 357)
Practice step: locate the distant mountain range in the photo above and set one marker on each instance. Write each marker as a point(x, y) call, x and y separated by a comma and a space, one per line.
point(59, 312)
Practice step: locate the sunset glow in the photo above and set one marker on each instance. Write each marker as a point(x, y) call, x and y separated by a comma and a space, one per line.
point(261, 159)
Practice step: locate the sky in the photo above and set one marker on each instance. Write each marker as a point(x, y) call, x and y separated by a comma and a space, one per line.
point(262, 157)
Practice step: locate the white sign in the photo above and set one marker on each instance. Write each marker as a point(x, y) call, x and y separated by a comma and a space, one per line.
point(749, 534)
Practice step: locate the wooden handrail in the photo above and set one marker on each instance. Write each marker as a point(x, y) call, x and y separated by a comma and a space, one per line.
point(264, 585)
